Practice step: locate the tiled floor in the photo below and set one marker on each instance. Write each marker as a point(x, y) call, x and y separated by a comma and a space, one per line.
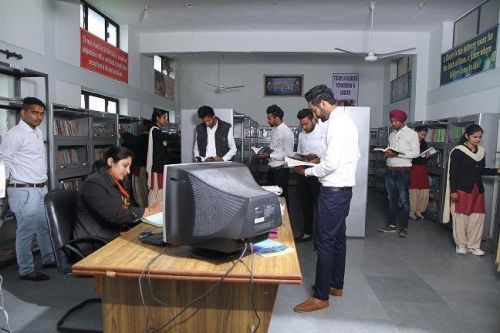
point(392, 284)
point(416, 284)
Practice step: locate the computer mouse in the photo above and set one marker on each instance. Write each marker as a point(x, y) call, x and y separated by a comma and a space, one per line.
point(145, 234)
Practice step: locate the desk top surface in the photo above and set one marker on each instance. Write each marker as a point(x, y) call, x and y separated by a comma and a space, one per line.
point(127, 257)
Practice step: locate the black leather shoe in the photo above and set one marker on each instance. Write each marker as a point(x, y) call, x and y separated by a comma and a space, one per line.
point(50, 265)
point(34, 276)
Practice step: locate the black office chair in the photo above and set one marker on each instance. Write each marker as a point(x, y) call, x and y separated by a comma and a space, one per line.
point(60, 208)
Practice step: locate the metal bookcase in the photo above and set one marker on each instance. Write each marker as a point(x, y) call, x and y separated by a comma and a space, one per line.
point(372, 159)
point(80, 137)
point(245, 137)
point(437, 137)
point(129, 124)
point(380, 163)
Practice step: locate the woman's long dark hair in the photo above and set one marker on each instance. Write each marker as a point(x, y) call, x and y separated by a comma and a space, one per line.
point(469, 130)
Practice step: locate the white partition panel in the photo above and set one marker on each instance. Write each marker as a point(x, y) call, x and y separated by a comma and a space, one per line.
point(357, 214)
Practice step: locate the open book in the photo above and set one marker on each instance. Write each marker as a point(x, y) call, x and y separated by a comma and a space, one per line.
point(262, 150)
point(428, 152)
point(384, 150)
point(291, 162)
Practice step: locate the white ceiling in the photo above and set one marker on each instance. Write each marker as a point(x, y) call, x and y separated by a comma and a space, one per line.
point(282, 15)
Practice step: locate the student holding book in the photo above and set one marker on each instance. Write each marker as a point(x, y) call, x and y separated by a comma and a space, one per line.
point(405, 147)
point(464, 195)
point(419, 178)
point(337, 174)
point(104, 208)
point(281, 145)
point(311, 147)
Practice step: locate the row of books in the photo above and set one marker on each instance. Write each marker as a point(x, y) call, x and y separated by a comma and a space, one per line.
point(66, 127)
point(67, 157)
point(456, 132)
point(437, 134)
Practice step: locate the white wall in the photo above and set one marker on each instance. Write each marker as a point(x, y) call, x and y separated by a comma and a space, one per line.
point(478, 93)
point(47, 34)
point(249, 69)
point(299, 42)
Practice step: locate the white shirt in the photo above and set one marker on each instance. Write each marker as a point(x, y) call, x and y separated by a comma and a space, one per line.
point(22, 151)
point(405, 141)
point(281, 142)
point(211, 151)
point(338, 167)
point(313, 142)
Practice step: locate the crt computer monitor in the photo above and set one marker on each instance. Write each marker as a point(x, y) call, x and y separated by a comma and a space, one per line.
point(215, 206)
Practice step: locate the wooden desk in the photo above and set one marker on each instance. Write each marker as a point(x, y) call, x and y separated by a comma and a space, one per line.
point(177, 279)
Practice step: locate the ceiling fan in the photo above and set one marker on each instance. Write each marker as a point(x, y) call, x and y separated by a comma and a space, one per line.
point(220, 87)
point(372, 56)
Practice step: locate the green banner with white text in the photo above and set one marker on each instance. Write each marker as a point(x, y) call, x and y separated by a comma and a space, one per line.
point(472, 57)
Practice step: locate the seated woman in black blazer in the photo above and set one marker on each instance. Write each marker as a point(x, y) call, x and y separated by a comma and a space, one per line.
point(103, 204)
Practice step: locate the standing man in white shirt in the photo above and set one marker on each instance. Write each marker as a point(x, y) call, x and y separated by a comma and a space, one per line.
point(214, 140)
point(405, 146)
point(337, 175)
point(281, 145)
point(22, 151)
point(312, 144)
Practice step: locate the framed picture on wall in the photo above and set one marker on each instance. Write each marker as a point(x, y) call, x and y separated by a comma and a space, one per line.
point(283, 85)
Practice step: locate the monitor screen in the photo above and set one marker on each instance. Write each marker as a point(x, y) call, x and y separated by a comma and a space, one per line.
point(216, 206)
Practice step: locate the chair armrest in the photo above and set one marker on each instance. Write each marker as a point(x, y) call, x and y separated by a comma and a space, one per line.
point(72, 246)
point(86, 240)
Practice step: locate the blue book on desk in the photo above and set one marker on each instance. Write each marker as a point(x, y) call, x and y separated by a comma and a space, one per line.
point(268, 245)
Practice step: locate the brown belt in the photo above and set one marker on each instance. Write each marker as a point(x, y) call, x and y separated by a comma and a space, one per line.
point(27, 184)
point(398, 168)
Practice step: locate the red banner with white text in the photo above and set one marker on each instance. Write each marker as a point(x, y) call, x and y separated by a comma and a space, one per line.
point(101, 57)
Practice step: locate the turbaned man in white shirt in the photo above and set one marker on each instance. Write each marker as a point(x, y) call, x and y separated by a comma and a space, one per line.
point(281, 144)
point(22, 151)
point(312, 146)
point(405, 146)
point(214, 140)
point(337, 175)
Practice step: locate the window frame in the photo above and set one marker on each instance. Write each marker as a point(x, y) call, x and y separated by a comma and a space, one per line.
point(107, 99)
point(478, 23)
point(164, 68)
point(408, 66)
point(107, 22)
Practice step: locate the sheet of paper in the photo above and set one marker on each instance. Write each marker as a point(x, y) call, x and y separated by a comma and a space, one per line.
point(155, 219)
point(291, 162)
point(256, 150)
point(273, 188)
